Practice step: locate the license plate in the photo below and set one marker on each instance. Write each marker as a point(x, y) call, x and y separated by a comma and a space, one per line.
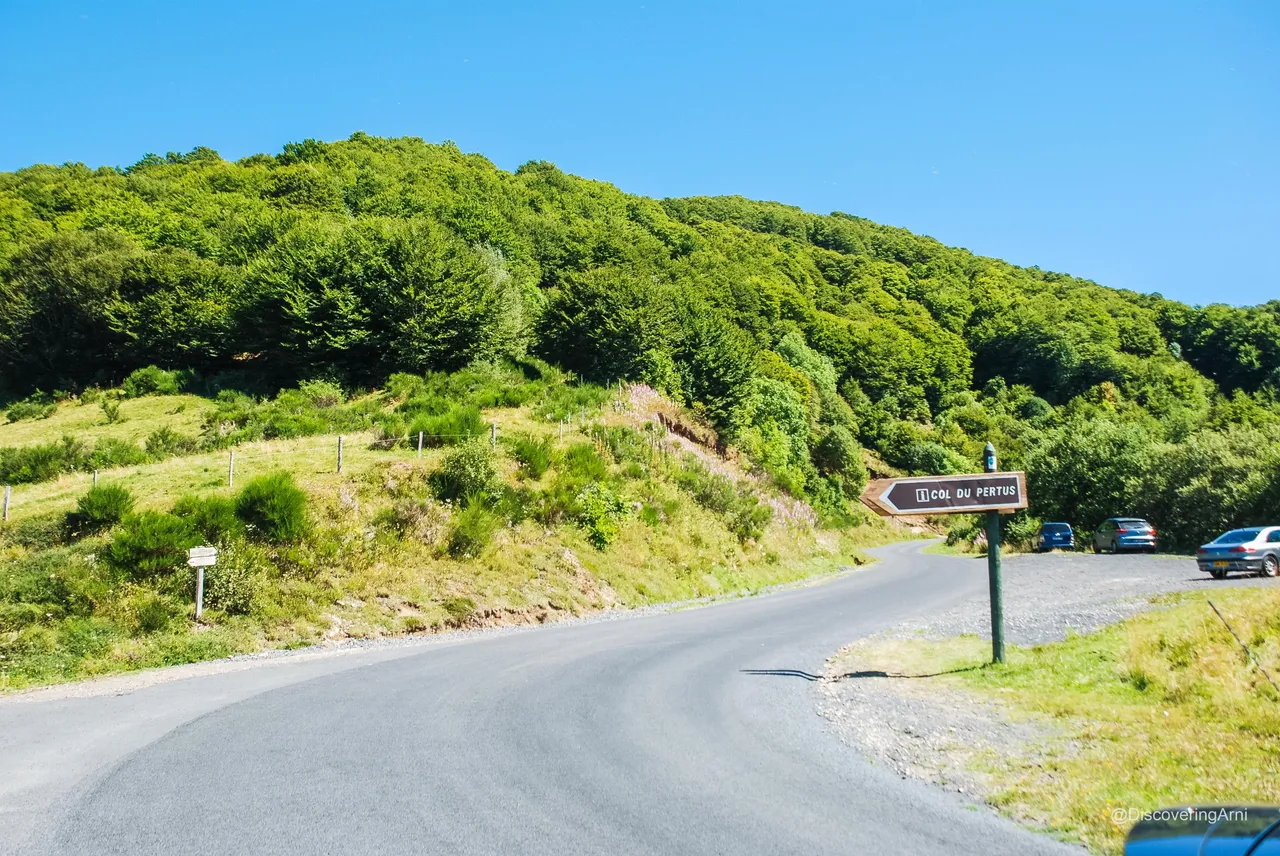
point(1220, 564)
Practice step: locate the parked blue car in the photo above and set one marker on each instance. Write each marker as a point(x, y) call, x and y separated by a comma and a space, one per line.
point(1055, 536)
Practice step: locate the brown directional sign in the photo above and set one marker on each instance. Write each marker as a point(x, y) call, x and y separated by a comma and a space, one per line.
point(948, 494)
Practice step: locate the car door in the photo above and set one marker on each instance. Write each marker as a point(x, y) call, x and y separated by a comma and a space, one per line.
point(1273, 542)
point(1102, 538)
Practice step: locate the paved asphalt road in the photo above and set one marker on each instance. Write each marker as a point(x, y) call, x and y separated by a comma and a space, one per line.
point(691, 732)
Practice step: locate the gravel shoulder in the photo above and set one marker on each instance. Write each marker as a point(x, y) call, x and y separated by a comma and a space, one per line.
point(926, 729)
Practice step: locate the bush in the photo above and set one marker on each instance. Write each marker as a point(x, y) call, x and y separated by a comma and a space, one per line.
point(534, 455)
point(459, 609)
point(111, 410)
point(38, 405)
point(625, 444)
point(274, 508)
point(423, 520)
point(214, 517)
point(39, 532)
point(451, 427)
point(232, 584)
point(473, 529)
point(110, 452)
point(322, 393)
point(153, 613)
point(582, 461)
point(151, 544)
point(600, 512)
point(42, 462)
point(152, 381)
point(103, 506)
point(164, 443)
point(744, 513)
point(466, 471)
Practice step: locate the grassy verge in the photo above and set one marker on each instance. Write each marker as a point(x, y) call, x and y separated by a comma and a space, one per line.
point(1163, 709)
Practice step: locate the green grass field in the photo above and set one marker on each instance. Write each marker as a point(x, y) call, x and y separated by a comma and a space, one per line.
point(138, 418)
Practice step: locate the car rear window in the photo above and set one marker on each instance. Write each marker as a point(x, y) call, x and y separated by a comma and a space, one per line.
point(1237, 536)
point(1134, 524)
point(1056, 528)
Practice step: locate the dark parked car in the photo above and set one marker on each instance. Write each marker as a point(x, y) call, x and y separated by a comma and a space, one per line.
point(1255, 550)
point(1055, 536)
point(1195, 830)
point(1124, 533)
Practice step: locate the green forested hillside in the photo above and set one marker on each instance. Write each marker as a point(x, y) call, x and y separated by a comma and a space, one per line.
point(800, 337)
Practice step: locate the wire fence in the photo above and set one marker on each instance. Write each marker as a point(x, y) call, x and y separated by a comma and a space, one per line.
point(333, 455)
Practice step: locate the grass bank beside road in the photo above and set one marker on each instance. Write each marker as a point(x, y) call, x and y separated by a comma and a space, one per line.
point(1162, 709)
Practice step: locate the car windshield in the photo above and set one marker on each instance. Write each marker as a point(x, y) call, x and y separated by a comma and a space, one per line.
point(1056, 528)
point(1238, 536)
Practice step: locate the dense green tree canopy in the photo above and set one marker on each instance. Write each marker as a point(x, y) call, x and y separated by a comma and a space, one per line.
point(796, 334)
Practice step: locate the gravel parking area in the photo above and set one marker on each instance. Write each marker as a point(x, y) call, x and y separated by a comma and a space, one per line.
point(1047, 595)
point(924, 730)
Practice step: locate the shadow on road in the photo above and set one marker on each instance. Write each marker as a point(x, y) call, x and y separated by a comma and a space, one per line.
point(796, 673)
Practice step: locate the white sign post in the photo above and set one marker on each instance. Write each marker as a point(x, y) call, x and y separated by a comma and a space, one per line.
point(201, 558)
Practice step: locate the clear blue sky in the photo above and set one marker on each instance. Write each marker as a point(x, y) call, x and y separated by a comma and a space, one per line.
point(1134, 143)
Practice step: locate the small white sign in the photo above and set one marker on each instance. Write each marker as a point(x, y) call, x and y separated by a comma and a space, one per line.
point(202, 557)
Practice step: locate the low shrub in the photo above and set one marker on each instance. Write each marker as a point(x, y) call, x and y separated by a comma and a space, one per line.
point(534, 455)
point(153, 612)
point(322, 393)
point(38, 405)
point(465, 471)
point(38, 532)
point(110, 452)
point(562, 401)
point(151, 544)
point(103, 506)
point(456, 425)
point(274, 508)
point(214, 517)
point(625, 444)
point(164, 442)
point(42, 461)
point(233, 583)
point(111, 410)
point(744, 513)
point(57, 581)
point(152, 380)
point(423, 520)
point(473, 528)
point(582, 461)
point(459, 609)
point(600, 512)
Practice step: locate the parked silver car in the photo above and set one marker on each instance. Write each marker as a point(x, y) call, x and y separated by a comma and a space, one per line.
point(1124, 533)
point(1254, 550)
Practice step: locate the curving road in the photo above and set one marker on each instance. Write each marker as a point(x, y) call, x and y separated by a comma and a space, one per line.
point(691, 732)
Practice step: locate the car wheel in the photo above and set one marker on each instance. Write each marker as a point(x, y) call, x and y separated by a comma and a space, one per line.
point(1270, 566)
point(1218, 574)
point(1115, 548)
point(1096, 548)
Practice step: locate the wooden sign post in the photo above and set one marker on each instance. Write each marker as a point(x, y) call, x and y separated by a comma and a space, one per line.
point(992, 491)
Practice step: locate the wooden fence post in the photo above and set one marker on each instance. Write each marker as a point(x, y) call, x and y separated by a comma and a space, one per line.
point(493, 435)
point(339, 453)
point(420, 434)
point(7, 491)
point(231, 469)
